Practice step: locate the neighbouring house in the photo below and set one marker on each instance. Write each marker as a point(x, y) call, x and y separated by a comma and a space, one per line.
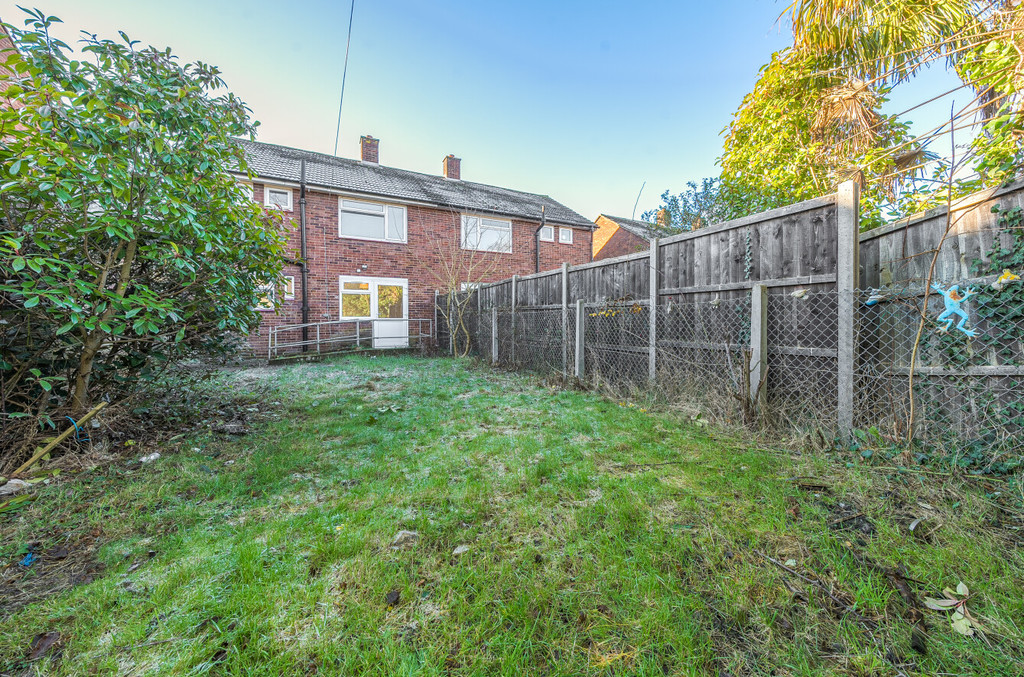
point(616, 236)
point(381, 241)
point(7, 51)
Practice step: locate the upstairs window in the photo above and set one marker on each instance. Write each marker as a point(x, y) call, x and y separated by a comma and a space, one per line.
point(565, 235)
point(371, 221)
point(278, 198)
point(289, 287)
point(547, 234)
point(484, 234)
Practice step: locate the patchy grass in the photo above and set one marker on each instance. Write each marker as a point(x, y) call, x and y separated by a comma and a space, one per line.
point(602, 539)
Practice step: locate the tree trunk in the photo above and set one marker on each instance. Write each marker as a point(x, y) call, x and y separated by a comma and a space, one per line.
point(80, 398)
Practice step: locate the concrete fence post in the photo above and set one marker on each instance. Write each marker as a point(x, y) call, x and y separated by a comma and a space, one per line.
point(758, 343)
point(494, 335)
point(448, 316)
point(652, 338)
point(580, 319)
point(565, 319)
point(515, 290)
point(847, 281)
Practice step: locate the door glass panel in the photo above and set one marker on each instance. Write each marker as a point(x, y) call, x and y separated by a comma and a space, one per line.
point(356, 286)
point(389, 301)
point(355, 305)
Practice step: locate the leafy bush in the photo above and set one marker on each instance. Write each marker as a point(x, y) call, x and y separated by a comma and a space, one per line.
point(126, 243)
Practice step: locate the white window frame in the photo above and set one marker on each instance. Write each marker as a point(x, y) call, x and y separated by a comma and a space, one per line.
point(272, 205)
point(561, 235)
point(247, 187)
point(469, 286)
point(387, 219)
point(269, 291)
point(289, 287)
point(550, 237)
point(479, 217)
point(373, 282)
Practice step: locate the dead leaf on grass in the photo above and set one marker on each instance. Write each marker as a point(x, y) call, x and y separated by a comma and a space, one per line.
point(960, 619)
point(42, 643)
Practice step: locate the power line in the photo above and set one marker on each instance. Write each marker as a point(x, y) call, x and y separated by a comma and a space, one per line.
point(344, 73)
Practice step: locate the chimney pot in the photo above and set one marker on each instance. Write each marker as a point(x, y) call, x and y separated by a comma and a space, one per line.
point(368, 148)
point(452, 167)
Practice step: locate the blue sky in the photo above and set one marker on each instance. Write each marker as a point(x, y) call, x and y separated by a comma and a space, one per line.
point(584, 101)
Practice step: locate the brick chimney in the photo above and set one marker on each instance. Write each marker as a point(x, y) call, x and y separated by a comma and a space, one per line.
point(664, 218)
point(368, 148)
point(452, 167)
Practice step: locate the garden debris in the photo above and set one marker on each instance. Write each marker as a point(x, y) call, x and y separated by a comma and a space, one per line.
point(14, 487)
point(460, 550)
point(42, 644)
point(53, 570)
point(850, 517)
point(16, 503)
point(845, 606)
point(232, 428)
point(43, 451)
point(900, 582)
point(635, 466)
point(392, 598)
point(149, 458)
point(961, 619)
point(153, 643)
point(58, 553)
point(404, 539)
point(810, 483)
point(793, 507)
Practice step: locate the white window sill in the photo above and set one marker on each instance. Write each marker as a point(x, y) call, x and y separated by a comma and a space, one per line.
point(371, 239)
point(484, 251)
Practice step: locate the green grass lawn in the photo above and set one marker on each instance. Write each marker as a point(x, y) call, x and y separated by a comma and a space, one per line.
point(599, 539)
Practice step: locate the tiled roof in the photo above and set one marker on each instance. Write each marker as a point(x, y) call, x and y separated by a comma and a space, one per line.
point(269, 161)
point(643, 229)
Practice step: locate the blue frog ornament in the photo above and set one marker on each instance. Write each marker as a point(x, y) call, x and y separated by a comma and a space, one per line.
point(953, 298)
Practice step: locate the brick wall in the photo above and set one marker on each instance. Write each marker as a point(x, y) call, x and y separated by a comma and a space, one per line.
point(433, 238)
point(6, 47)
point(622, 242)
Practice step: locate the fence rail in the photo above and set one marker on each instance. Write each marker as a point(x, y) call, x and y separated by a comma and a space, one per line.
point(336, 335)
point(766, 320)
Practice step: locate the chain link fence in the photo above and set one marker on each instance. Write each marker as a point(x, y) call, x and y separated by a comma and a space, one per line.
point(966, 394)
point(703, 355)
point(615, 339)
point(801, 382)
point(945, 368)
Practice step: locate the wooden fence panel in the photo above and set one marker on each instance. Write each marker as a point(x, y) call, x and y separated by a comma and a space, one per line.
point(703, 281)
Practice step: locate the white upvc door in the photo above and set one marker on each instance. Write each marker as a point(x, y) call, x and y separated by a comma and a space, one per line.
point(384, 300)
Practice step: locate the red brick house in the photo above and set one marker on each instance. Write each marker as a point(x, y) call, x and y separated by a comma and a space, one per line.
point(616, 236)
point(379, 241)
point(7, 50)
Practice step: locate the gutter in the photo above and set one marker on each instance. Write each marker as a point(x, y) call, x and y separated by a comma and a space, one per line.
point(302, 254)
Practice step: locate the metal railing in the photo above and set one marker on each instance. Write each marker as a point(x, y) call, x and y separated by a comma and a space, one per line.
point(328, 337)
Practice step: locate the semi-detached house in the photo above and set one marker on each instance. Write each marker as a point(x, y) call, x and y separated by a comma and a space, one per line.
point(378, 240)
